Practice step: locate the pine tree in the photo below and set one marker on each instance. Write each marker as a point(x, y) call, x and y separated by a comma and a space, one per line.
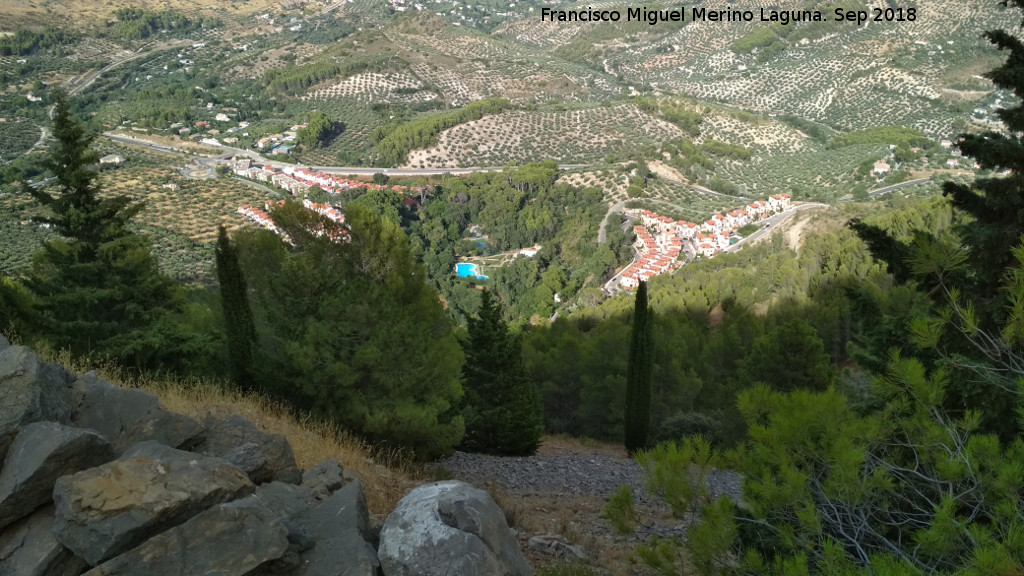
point(639, 375)
point(238, 322)
point(503, 409)
point(98, 287)
point(996, 204)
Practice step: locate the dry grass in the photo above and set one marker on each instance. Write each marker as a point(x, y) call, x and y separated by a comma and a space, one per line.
point(387, 476)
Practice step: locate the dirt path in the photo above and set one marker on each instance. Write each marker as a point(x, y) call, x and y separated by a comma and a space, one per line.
point(562, 491)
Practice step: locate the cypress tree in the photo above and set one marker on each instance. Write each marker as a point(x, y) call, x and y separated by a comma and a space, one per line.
point(98, 287)
point(502, 406)
point(238, 322)
point(639, 375)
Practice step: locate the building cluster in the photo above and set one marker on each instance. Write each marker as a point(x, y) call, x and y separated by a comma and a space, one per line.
point(298, 181)
point(280, 143)
point(660, 239)
point(262, 217)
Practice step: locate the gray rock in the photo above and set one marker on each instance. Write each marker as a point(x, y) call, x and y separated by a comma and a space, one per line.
point(341, 529)
point(226, 434)
point(225, 540)
point(28, 548)
point(556, 546)
point(285, 501)
point(107, 510)
point(41, 453)
point(32, 391)
point(126, 416)
point(249, 458)
point(324, 478)
point(4, 344)
point(449, 528)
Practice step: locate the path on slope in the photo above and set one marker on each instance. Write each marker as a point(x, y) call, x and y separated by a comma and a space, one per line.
point(563, 489)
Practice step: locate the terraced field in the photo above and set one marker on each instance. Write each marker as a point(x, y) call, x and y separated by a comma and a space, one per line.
point(572, 136)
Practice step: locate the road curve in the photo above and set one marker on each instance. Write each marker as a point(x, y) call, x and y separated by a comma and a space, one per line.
point(775, 220)
point(881, 191)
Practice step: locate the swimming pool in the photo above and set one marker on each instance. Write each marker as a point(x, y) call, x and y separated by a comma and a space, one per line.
point(468, 270)
point(465, 270)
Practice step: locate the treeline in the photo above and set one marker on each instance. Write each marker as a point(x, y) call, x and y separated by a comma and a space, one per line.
point(294, 80)
point(896, 135)
point(395, 141)
point(318, 128)
point(672, 111)
point(26, 42)
point(816, 131)
point(139, 24)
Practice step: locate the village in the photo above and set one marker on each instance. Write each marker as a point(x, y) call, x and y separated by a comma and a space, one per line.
point(660, 240)
point(298, 182)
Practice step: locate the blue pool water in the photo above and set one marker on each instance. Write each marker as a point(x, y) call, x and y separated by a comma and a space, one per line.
point(465, 270)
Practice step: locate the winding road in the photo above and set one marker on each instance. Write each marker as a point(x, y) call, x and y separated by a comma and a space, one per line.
point(881, 191)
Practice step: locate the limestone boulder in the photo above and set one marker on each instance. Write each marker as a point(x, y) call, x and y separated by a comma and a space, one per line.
point(224, 436)
point(105, 511)
point(126, 416)
point(41, 453)
point(4, 343)
point(449, 528)
point(28, 548)
point(31, 390)
point(225, 540)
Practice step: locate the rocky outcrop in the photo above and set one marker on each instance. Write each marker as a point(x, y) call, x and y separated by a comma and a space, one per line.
point(225, 437)
point(225, 540)
point(103, 481)
point(106, 510)
point(126, 416)
point(29, 548)
point(31, 390)
point(341, 528)
point(449, 528)
point(41, 453)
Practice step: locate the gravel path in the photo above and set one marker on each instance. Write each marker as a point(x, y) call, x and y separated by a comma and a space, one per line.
point(569, 473)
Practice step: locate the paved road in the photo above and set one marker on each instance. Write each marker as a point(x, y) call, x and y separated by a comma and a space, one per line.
point(219, 154)
point(774, 221)
point(894, 187)
point(258, 186)
point(710, 192)
point(602, 236)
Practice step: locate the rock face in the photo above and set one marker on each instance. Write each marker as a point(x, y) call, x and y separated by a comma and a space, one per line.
point(30, 391)
point(109, 509)
point(224, 436)
point(126, 416)
point(227, 540)
point(41, 453)
point(449, 528)
point(28, 548)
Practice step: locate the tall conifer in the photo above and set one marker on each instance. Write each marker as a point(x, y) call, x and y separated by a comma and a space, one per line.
point(98, 287)
point(503, 410)
point(639, 375)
